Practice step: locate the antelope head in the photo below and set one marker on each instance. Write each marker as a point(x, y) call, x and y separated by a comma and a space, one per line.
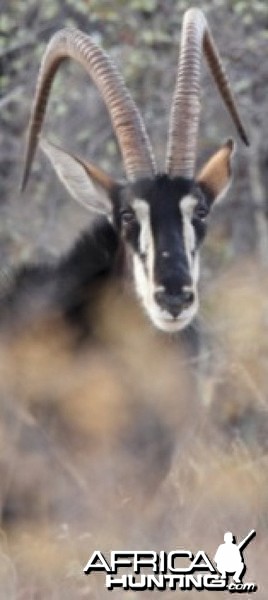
point(160, 216)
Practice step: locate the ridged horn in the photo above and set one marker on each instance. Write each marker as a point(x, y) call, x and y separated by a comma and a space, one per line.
point(185, 110)
point(126, 120)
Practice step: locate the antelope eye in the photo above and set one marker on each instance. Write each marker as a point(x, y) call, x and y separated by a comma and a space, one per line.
point(127, 217)
point(201, 211)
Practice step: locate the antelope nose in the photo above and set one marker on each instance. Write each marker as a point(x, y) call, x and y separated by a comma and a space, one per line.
point(174, 303)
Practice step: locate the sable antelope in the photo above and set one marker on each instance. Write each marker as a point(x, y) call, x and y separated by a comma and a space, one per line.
point(157, 218)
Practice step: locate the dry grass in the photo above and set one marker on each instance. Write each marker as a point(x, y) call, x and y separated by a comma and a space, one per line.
point(118, 445)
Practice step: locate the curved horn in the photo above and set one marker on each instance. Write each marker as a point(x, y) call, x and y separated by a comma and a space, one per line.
point(185, 109)
point(126, 120)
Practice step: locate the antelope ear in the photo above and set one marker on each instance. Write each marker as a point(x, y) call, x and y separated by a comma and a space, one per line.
point(215, 176)
point(88, 184)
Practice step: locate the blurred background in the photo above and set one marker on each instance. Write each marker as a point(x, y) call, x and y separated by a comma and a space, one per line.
point(96, 452)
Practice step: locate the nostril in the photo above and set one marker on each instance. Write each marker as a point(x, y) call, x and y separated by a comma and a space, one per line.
point(187, 297)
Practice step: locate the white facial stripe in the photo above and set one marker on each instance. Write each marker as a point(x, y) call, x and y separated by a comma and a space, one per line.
point(187, 206)
point(146, 236)
point(144, 282)
point(142, 212)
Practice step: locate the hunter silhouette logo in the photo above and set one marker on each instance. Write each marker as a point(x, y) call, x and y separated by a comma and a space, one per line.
point(229, 558)
point(176, 570)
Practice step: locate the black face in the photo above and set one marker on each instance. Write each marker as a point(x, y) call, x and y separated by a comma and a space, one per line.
point(164, 222)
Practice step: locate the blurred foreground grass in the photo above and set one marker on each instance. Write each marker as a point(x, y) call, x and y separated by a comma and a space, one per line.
point(127, 442)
